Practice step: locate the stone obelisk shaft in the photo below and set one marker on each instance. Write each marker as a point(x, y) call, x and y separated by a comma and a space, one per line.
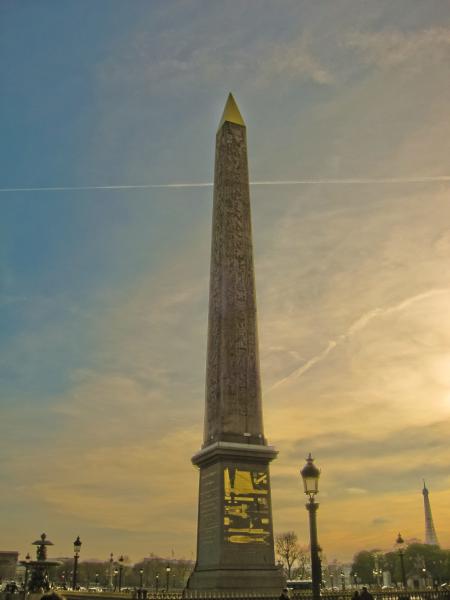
point(233, 389)
point(235, 533)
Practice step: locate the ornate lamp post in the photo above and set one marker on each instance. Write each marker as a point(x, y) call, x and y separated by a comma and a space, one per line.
point(310, 475)
point(76, 554)
point(377, 571)
point(157, 582)
point(120, 572)
point(168, 569)
point(343, 581)
point(97, 575)
point(400, 541)
point(27, 566)
point(110, 572)
point(320, 553)
point(141, 577)
point(116, 572)
point(355, 579)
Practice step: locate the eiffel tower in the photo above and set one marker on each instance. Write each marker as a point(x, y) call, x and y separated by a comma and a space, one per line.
point(430, 532)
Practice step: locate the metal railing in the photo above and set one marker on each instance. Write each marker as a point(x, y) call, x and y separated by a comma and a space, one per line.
point(230, 595)
point(393, 594)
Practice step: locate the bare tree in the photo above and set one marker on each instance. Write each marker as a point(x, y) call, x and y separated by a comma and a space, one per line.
point(289, 551)
point(303, 569)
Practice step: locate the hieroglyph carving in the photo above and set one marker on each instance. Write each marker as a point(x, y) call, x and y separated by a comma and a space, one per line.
point(233, 390)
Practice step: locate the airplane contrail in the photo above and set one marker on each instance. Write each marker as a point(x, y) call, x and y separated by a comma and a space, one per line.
point(354, 328)
point(81, 188)
point(145, 186)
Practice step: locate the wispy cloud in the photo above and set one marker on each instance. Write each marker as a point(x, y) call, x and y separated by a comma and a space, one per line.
point(355, 328)
point(114, 479)
point(203, 56)
point(348, 149)
point(379, 521)
point(391, 48)
point(356, 491)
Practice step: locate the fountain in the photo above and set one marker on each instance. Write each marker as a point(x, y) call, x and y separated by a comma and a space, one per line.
point(39, 581)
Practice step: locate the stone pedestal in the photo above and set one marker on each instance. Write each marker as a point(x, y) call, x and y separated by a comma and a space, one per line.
point(235, 533)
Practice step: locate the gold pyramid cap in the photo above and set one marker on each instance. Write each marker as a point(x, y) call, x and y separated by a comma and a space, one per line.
point(231, 113)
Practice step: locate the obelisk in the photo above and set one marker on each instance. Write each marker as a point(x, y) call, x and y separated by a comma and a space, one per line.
point(235, 534)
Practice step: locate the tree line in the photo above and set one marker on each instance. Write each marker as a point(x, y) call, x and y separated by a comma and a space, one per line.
point(421, 561)
point(427, 564)
point(102, 574)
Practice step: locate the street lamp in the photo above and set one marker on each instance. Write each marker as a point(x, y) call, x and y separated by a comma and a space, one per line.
point(377, 571)
point(320, 553)
point(97, 575)
point(168, 569)
point(424, 571)
point(310, 475)
point(76, 554)
point(116, 572)
point(110, 571)
point(355, 579)
point(156, 582)
point(400, 541)
point(343, 581)
point(375, 574)
point(141, 576)
point(120, 572)
point(25, 583)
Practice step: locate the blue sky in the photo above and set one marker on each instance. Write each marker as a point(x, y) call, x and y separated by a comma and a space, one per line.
point(103, 293)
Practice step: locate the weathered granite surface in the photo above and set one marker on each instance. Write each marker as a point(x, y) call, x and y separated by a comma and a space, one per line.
point(233, 388)
point(235, 532)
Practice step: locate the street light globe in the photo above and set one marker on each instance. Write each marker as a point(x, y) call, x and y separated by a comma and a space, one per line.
point(77, 545)
point(310, 475)
point(168, 569)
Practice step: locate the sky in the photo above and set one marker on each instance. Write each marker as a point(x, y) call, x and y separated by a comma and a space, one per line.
point(104, 292)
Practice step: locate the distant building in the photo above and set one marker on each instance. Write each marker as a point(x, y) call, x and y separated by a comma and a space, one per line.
point(337, 574)
point(8, 564)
